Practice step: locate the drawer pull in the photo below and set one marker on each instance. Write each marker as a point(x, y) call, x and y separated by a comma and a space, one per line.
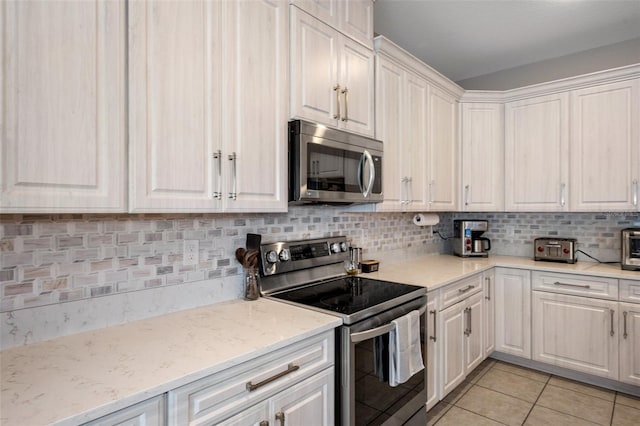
point(612, 314)
point(572, 285)
point(264, 423)
point(290, 369)
point(466, 289)
point(624, 335)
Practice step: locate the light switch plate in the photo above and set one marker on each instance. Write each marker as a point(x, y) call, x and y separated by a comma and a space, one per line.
point(191, 252)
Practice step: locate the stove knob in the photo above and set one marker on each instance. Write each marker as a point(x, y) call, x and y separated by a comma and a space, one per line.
point(335, 248)
point(272, 256)
point(343, 246)
point(284, 255)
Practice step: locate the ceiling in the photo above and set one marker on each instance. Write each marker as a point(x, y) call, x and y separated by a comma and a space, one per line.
point(464, 39)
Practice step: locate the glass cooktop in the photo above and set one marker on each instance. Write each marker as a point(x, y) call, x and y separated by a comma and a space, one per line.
point(348, 295)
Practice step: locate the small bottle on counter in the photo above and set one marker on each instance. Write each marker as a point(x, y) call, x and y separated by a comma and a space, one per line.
point(251, 284)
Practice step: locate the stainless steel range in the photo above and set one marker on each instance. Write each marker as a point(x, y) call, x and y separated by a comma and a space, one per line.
point(310, 274)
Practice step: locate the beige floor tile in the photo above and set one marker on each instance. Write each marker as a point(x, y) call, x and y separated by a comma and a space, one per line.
point(577, 404)
point(512, 384)
point(437, 412)
point(494, 405)
point(625, 416)
point(582, 388)
point(522, 371)
point(540, 416)
point(457, 417)
point(628, 400)
point(480, 370)
point(457, 393)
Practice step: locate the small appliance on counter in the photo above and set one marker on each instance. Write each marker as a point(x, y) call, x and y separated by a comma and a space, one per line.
point(555, 250)
point(631, 249)
point(467, 240)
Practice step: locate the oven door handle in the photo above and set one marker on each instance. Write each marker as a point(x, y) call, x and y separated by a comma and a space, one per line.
point(378, 331)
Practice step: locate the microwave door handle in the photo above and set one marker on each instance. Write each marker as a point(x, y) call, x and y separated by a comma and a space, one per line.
point(379, 331)
point(372, 173)
point(360, 165)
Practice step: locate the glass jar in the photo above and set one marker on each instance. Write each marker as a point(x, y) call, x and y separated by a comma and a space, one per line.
point(251, 284)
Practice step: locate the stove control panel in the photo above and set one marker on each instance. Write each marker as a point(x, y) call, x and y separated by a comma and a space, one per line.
point(291, 256)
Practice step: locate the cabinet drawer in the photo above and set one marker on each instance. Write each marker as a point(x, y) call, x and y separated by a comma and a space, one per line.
point(630, 291)
point(218, 396)
point(148, 413)
point(580, 285)
point(460, 290)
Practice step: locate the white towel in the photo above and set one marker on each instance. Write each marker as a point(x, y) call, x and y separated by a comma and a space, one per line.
point(405, 354)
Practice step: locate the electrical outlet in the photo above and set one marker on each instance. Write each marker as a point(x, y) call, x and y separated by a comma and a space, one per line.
point(190, 252)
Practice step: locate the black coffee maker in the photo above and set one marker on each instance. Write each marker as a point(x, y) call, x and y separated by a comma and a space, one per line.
point(467, 239)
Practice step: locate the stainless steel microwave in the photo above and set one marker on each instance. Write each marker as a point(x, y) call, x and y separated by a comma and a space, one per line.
point(631, 249)
point(331, 166)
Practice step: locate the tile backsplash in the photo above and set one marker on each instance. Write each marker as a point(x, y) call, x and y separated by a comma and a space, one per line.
point(61, 274)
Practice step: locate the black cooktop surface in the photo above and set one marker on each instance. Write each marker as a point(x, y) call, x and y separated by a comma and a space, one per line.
point(347, 295)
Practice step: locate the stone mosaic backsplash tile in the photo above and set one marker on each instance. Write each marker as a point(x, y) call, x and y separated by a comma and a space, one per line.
point(48, 259)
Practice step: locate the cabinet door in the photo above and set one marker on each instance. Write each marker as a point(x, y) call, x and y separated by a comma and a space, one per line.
point(482, 157)
point(357, 84)
point(629, 330)
point(62, 106)
point(579, 333)
point(537, 154)
point(605, 152)
point(453, 323)
point(474, 349)
point(174, 74)
point(146, 413)
point(253, 416)
point(314, 66)
point(356, 19)
point(308, 403)
point(389, 128)
point(254, 117)
point(513, 318)
point(489, 291)
point(443, 151)
point(414, 146)
point(432, 343)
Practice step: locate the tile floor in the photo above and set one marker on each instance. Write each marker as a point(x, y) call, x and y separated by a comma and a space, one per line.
point(498, 393)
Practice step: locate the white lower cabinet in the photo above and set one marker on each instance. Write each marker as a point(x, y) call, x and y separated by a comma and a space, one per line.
point(307, 403)
point(461, 341)
point(146, 413)
point(629, 356)
point(574, 332)
point(296, 382)
point(513, 316)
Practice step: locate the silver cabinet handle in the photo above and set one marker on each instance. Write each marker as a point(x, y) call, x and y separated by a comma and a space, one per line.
point(431, 185)
point(435, 313)
point(466, 195)
point(467, 312)
point(635, 192)
point(466, 289)
point(409, 190)
point(470, 320)
point(612, 313)
point(264, 423)
point(572, 285)
point(404, 189)
point(218, 156)
point(488, 281)
point(345, 92)
point(336, 89)
point(563, 187)
point(624, 331)
point(280, 416)
point(291, 367)
point(233, 194)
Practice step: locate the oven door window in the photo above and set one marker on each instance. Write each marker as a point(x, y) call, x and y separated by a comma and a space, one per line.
point(634, 247)
point(338, 170)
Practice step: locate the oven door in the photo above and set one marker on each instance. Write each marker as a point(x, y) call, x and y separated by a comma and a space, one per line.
point(631, 249)
point(362, 397)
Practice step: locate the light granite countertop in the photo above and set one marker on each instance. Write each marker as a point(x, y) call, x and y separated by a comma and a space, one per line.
point(77, 378)
point(436, 271)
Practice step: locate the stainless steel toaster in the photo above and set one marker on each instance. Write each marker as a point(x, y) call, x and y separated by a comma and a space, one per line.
point(555, 249)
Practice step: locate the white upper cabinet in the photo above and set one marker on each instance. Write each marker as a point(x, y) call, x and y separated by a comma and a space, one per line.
point(186, 61)
point(332, 76)
point(482, 157)
point(605, 147)
point(352, 17)
point(401, 125)
point(537, 154)
point(443, 149)
point(62, 106)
